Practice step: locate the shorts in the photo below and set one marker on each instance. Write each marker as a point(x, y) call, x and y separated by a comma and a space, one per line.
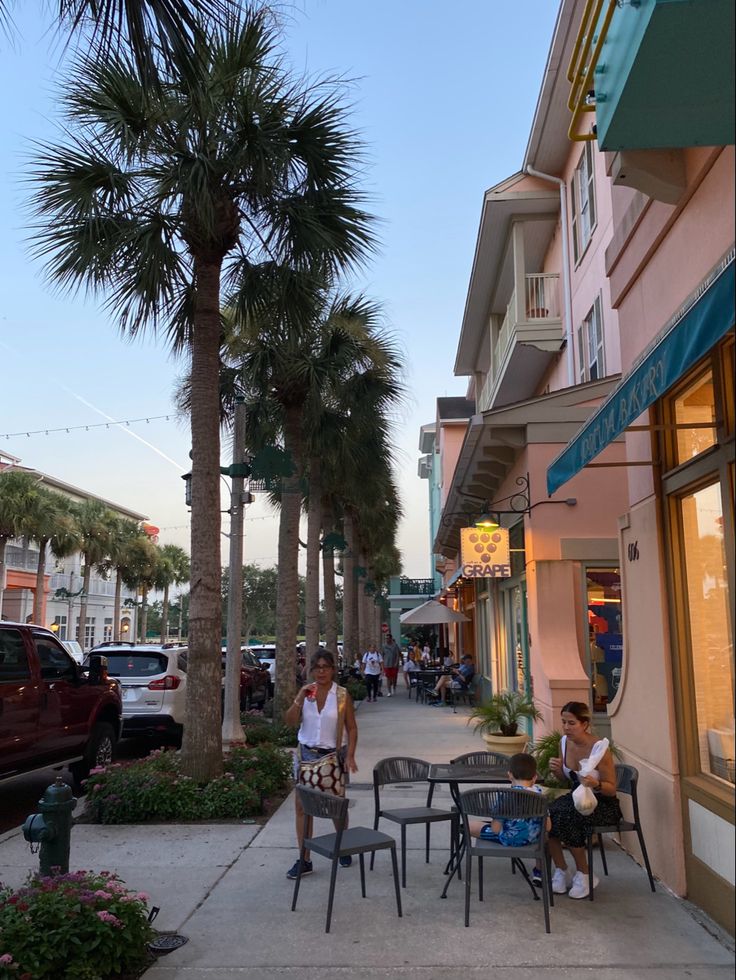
point(391, 673)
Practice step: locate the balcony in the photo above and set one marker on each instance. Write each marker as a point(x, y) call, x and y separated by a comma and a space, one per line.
point(660, 73)
point(416, 586)
point(529, 337)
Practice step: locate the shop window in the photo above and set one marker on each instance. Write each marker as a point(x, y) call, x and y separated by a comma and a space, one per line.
point(711, 644)
point(695, 406)
point(605, 633)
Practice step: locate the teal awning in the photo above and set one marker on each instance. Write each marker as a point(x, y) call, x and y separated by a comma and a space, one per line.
point(691, 336)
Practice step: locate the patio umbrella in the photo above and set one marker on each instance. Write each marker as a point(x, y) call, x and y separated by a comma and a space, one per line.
point(431, 613)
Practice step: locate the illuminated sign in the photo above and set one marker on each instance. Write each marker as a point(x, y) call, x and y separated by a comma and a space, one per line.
point(485, 554)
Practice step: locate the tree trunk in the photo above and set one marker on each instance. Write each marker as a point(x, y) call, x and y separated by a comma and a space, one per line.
point(349, 611)
point(364, 633)
point(328, 575)
point(82, 628)
point(144, 614)
point(3, 545)
point(287, 590)
point(40, 572)
point(314, 530)
point(117, 608)
point(202, 744)
point(165, 615)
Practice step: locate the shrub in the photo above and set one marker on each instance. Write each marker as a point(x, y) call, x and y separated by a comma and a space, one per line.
point(79, 926)
point(357, 690)
point(155, 789)
point(259, 730)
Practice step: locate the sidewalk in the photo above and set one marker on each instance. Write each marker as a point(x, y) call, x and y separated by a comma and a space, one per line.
point(224, 887)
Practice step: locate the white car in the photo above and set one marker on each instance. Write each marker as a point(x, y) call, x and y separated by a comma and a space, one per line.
point(266, 653)
point(153, 683)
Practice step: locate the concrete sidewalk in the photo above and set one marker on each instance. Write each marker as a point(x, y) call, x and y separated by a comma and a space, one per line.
point(224, 887)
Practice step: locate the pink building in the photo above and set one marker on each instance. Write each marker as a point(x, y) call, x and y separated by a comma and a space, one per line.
point(598, 340)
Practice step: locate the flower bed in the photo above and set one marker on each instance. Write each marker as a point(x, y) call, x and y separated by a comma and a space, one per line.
point(80, 926)
point(155, 789)
point(259, 730)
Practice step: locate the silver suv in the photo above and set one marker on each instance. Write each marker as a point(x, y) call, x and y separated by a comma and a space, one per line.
point(153, 683)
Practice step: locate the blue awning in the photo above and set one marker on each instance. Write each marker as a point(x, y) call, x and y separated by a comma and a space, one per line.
point(690, 337)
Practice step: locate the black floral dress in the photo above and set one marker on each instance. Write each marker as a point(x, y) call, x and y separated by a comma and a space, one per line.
point(573, 828)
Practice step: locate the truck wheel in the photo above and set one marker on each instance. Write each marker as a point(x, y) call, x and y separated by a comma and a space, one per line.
point(98, 752)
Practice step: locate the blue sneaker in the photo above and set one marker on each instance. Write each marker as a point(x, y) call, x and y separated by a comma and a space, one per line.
point(537, 877)
point(346, 861)
point(293, 871)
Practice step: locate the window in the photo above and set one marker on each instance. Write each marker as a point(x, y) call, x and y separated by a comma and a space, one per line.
point(61, 625)
point(56, 663)
point(89, 632)
point(583, 202)
point(107, 630)
point(695, 406)
point(13, 658)
point(701, 514)
point(591, 360)
point(605, 634)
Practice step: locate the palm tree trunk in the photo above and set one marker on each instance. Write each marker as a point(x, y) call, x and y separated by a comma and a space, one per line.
point(328, 576)
point(40, 572)
point(117, 607)
point(82, 628)
point(364, 637)
point(144, 614)
point(165, 615)
point(202, 743)
point(314, 529)
point(287, 590)
point(349, 611)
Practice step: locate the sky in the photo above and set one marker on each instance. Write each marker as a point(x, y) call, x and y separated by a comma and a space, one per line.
point(443, 95)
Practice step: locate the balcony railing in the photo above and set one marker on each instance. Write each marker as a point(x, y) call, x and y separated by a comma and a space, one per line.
point(416, 586)
point(541, 302)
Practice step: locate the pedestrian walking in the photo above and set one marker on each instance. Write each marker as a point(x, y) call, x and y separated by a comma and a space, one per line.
point(391, 654)
point(326, 715)
point(372, 668)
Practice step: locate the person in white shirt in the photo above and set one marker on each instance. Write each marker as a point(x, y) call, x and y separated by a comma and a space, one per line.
point(327, 713)
point(372, 668)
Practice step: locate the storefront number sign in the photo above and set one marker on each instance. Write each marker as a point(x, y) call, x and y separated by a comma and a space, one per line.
point(485, 553)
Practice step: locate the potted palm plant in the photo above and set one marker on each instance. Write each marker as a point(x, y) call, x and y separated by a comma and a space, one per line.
point(498, 721)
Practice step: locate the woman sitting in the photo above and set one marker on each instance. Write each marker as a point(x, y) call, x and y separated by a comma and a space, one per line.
point(570, 828)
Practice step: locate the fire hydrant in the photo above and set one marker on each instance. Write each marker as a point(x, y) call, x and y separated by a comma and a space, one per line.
point(52, 828)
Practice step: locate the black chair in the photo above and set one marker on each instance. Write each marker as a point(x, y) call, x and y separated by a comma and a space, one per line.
point(627, 778)
point(345, 842)
point(403, 769)
point(481, 759)
point(467, 694)
point(506, 804)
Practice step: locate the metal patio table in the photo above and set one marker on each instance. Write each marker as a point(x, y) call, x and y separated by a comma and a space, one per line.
point(457, 775)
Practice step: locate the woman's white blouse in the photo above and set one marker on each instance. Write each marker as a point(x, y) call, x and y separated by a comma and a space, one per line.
point(319, 729)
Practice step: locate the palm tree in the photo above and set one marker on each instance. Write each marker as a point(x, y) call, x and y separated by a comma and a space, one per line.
point(93, 522)
point(122, 533)
point(18, 494)
point(51, 524)
point(150, 28)
point(224, 169)
point(141, 560)
point(173, 569)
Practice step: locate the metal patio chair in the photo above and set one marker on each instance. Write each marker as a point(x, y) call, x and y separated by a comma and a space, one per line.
point(484, 758)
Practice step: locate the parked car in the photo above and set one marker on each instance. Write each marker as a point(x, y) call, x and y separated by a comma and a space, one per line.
point(74, 648)
point(153, 682)
point(266, 653)
point(52, 712)
point(255, 679)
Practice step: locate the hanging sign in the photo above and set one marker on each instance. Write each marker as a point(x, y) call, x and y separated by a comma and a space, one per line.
point(485, 553)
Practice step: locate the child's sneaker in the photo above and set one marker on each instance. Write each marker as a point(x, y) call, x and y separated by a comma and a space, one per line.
point(537, 877)
point(293, 871)
point(560, 881)
point(580, 888)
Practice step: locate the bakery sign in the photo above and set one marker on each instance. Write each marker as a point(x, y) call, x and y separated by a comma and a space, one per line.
point(485, 552)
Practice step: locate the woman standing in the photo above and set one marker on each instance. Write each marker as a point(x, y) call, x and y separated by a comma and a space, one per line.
point(568, 826)
point(326, 713)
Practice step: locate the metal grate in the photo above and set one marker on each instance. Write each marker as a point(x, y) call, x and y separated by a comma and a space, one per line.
point(164, 944)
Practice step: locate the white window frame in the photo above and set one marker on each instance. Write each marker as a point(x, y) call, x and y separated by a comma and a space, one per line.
point(89, 632)
point(584, 211)
point(107, 630)
point(591, 346)
point(60, 620)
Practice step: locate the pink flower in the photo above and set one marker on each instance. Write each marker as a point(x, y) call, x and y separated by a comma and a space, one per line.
point(143, 897)
point(110, 919)
point(102, 894)
point(6, 959)
point(96, 770)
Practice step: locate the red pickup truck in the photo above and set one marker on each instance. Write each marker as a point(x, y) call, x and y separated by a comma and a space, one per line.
point(52, 712)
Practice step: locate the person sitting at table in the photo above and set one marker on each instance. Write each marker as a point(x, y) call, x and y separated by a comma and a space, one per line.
point(409, 667)
point(519, 831)
point(458, 680)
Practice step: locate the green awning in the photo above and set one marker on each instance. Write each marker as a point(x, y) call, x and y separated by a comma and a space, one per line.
point(689, 338)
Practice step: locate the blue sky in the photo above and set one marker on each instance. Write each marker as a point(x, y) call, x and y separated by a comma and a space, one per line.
point(444, 96)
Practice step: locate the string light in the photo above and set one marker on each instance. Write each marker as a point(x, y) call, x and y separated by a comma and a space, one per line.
point(94, 425)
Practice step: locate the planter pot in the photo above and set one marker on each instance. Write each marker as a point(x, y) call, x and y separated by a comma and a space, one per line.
point(506, 744)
